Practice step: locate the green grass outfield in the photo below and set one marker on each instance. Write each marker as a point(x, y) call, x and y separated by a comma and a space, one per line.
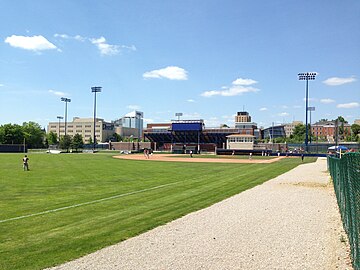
point(99, 201)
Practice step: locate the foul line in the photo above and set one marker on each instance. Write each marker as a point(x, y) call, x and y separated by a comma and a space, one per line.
point(85, 203)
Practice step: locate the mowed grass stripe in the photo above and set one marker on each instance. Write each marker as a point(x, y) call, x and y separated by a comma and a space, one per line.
point(57, 181)
point(83, 204)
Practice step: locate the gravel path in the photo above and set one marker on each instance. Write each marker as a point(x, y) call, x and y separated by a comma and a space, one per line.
point(290, 222)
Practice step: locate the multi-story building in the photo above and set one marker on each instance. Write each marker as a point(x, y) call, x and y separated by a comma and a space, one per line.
point(289, 128)
point(242, 117)
point(244, 124)
point(328, 129)
point(85, 127)
point(132, 122)
point(273, 132)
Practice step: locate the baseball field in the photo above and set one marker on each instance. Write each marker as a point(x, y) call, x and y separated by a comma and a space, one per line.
point(69, 205)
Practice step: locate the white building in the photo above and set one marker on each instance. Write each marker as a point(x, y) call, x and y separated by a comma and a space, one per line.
point(240, 142)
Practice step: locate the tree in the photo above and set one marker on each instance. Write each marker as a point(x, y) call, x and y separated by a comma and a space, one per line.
point(77, 142)
point(90, 141)
point(11, 134)
point(342, 119)
point(52, 138)
point(355, 128)
point(65, 142)
point(34, 135)
point(116, 138)
point(298, 135)
point(224, 126)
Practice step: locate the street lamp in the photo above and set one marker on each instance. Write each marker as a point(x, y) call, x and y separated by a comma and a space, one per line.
point(66, 100)
point(95, 90)
point(307, 76)
point(59, 117)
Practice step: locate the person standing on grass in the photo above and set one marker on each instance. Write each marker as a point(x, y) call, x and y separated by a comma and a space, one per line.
point(26, 163)
point(302, 157)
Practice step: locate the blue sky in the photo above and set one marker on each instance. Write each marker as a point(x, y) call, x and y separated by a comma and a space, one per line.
point(207, 59)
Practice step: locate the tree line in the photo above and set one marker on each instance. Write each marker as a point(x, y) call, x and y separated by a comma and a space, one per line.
point(299, 132)
point(34, 137)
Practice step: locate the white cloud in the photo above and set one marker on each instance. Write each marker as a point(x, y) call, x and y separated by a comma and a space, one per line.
point(104, 48)
point(76, 37)
point(190, 100)
point(133, 107)
point(100, 43)
point(229, 92)
point(263, 109)
point(334, 81)
point(171, 73)
point(57, 93)
point(283, 114)
point(1, 85)
point(64, 36)
point(327, 100)
point(241, 81)
point(34, 43)
point(238, 87)
point(350, 105)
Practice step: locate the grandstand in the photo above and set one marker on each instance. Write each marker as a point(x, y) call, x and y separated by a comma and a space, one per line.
point(185, 135)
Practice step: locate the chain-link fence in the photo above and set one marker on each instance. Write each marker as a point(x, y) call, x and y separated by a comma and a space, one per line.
point(345, 172)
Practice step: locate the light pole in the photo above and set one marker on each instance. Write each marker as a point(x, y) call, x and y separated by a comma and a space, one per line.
point(306, 76)
point(95, 90)
point(66, 100)
point(311, 109)
point(59, 117)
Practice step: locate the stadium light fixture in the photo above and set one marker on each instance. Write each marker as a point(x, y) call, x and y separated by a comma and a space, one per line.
point(95, 89)
point(66, 100)
point(307, 77)
point(178, 115)
point(59, 117)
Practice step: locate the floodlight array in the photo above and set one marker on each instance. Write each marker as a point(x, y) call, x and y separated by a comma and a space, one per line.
point(307, 76)
point(96, 89)
point(65, 99)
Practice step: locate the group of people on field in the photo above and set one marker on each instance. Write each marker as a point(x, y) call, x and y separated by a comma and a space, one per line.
point(147, 153)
